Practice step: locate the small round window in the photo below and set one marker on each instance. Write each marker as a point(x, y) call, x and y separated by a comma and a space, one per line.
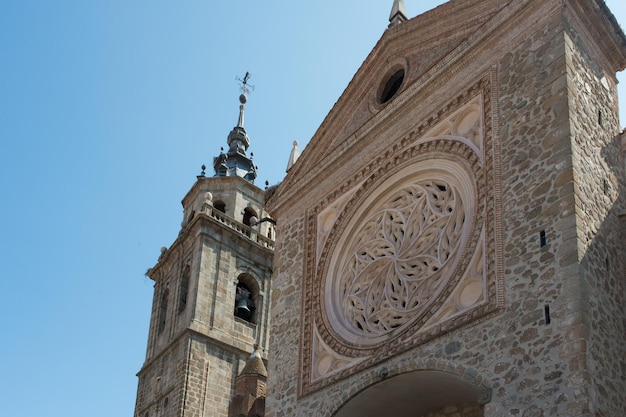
point(392, 86)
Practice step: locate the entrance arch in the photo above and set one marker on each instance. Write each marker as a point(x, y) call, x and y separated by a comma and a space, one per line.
point(416, 394)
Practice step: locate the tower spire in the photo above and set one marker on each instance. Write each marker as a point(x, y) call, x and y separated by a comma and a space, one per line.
point(242, 100)
point(236, 162)
point(246, 89)
point(398, 13)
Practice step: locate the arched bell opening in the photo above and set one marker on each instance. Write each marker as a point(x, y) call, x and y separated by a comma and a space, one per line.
point(249, 217)
point(219, 205)
point(246, 298)
point(418, 394)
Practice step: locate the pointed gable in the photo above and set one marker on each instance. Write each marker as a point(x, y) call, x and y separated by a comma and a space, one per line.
point(424, 49)
point(411, 48)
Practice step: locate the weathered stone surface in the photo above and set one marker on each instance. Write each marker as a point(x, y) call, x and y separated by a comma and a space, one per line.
point(197, 347)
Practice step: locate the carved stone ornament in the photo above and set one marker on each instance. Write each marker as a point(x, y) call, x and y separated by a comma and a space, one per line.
point(407, 249)
point(400, 251)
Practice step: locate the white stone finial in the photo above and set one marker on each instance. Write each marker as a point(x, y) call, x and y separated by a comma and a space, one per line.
point(293, 157)
point(398, 13)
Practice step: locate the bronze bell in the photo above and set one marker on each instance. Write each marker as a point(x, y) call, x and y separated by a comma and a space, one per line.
point(242, 305)
point(242, 309)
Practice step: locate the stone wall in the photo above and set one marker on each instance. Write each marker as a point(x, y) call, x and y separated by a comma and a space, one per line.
point(531, 358)
point(283, 366)
point(211, 375)
point(599, 180)
point(161, 382)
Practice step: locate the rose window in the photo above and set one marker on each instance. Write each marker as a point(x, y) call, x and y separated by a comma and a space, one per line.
point(398, 253)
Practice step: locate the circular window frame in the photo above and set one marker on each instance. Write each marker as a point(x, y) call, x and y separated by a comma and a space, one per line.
point(392, 85)
point(385, 76)
point(454, 174)
point(349, 345)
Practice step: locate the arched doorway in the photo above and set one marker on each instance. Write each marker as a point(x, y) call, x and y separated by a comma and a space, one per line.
point(417, 394)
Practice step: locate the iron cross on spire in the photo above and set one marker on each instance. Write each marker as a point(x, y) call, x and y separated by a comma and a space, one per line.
point(246, 88)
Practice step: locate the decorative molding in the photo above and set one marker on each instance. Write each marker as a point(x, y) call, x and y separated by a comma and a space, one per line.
point(326, 361)
point(456, 152)
point(398, 248)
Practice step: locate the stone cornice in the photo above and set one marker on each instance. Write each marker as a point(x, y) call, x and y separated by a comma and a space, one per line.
point(154, 360)
point(217, 221)
point(596, 24)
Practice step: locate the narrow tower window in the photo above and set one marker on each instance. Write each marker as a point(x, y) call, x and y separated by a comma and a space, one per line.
point(163, 311)
point(543, 240)
point(184, 290)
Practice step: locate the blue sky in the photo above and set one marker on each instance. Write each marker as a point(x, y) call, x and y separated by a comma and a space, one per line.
point(107, 111)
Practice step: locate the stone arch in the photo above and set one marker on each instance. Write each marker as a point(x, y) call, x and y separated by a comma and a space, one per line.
point(219, 205)
point(421, 388)
point(250, 216)
point(248, 292)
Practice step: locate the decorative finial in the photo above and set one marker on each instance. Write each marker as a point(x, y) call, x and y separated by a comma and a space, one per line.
point(293, 156)
point(246, 89)
point(235, 162)
point(398, 13)
point(203, 173)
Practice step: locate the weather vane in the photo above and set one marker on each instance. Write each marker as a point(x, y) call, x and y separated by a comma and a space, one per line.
point(245, 87)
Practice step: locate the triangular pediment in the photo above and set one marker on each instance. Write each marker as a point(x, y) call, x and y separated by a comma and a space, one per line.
point(428, 50)
point(414, 47)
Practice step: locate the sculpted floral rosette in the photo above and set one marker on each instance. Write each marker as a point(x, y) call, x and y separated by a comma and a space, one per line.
point(401, 252)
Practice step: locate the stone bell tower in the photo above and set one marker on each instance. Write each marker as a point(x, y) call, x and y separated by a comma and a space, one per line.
point(211, 295)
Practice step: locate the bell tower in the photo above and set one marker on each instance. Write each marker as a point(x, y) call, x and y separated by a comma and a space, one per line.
point(210, 309)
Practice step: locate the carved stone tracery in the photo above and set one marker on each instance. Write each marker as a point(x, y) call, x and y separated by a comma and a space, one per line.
point(398, 252)
point(406, 249)
point(399, 255)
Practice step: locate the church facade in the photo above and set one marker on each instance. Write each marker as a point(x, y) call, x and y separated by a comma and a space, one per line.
point(449, 244)
point(457, 224)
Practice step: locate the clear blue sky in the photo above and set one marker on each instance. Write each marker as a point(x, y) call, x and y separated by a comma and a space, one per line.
point(107, 111)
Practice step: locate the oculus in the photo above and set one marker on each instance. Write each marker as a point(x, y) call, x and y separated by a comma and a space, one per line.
point(392, 86)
